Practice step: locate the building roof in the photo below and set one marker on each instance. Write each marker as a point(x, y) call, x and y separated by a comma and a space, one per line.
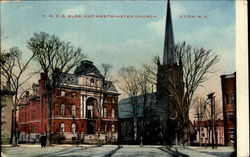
point(229, 76)
point(207, 123)
point(87, 68)
point(125, 108)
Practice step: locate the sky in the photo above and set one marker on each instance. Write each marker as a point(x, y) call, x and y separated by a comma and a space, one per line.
point(126, 41)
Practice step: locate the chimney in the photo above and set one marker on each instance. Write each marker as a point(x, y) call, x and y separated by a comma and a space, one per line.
point(27, 93)
point(43, 76)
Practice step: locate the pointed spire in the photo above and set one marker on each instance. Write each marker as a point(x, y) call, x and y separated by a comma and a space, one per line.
point(168, 55)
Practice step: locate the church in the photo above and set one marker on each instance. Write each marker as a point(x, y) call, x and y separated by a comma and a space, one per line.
point(86, 106)
point(158, 118)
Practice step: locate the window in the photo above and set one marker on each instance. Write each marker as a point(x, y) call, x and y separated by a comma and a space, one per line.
point(113, 100)
point(113, 113)
point(232, 136)
point(92, 81)
point(3, 111)
point(104, 112)
point(73, 95)
point(33, 129)
point(33, 115)
point(232, 130)
point(233, 99)
point(227, 98)
point(90, 111)
point(62, 127)
point(105, 128)
point(90, 106)
point(73, 128)
point(73, 110)
point(231, 116)
point(202, 129)
point(62, 109)
point(113, 128)
point(62, 93)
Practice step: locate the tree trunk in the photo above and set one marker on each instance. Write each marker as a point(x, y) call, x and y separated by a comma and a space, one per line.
point(14, 139)
point(135, 129)
point(186, 139)
point(50, 102)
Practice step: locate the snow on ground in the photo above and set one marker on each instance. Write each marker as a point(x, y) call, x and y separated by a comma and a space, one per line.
point(114, 150)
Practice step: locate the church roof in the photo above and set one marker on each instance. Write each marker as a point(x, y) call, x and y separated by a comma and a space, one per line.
point(168, 54)
point(87, 68)
point(125, 108)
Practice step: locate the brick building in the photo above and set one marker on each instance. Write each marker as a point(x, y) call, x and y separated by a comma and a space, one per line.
point(85, 105)
point(228, 86)
point(206, 132)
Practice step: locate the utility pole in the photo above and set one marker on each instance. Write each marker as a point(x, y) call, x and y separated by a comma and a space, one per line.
point(199, 117)
point(211, 97)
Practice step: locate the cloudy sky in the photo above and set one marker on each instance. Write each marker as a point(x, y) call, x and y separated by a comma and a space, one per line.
point(126, 41)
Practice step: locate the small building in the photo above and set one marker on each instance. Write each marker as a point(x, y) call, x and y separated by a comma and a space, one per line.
point(205, 135)
point(228, 86)
point(85, 108)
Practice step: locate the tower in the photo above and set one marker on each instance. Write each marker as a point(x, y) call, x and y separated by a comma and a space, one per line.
point(169, 74)
point(168, 56)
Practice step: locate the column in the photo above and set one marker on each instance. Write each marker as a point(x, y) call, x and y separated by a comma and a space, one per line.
point(84, 106)
point(81, 105)
point(101, 107)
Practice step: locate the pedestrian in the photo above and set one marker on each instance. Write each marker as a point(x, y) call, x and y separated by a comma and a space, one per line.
point(43, 140)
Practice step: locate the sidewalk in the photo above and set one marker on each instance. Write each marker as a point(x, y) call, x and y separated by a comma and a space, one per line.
point(204, 152)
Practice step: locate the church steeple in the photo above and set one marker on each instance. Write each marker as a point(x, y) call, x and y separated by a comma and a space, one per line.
point(168, 55)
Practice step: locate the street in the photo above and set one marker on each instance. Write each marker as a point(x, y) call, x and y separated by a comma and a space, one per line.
point(109, 150)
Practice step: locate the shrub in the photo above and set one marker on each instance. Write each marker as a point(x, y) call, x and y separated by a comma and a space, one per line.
point(57, 138)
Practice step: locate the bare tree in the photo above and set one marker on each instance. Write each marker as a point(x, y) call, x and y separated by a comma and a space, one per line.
point(194, 64)
point(130, 86)
point(213, 118)
point(106, 70)
point(14, 78)
point(55, 58)
point(144, 86)
point(218, 111)
point(200, 107)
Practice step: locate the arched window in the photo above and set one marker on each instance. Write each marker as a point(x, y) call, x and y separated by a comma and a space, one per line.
point(62, 127)
point(62, 109)
point(113, 113)
point(73, 110)
point(104, 112)
point(73, 128)
point(113, 127)
point(90, 107)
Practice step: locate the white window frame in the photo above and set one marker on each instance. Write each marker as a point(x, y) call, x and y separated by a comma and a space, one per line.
point(62, 127)
point(63, 94)
point(73, 127)
point(113, 113)
point(62, 111)
point(105, 112)
point(73, 109)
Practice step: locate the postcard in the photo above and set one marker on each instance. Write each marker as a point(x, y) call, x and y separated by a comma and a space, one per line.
point(124, 78)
